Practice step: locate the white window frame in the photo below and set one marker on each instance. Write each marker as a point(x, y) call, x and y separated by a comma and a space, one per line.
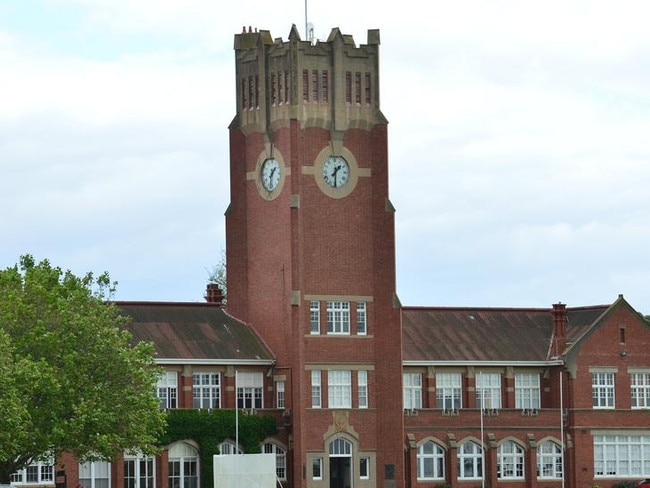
point(510, 461)
point(186, 457)
point(362, 318)
point(280, 459)
point(640, 390)
point(250, 389)
point(603, 390)
point(339, 388)
point(144, 471)
point(618, 456)
point(317, 468)
point(550, 460)
point(527, 390)
point(412, 390)
point(362, 388)
point(279, 394)
point(364, 468)
point(228, 448)
point(449, 391)
point(167, 390)
point(206, 389)
point(338, 318)
point(316, 389)
point(37, 473)
point(470, 461)
point(430, 462)
point(95, 474)
point(314, 317)
point(488, 388)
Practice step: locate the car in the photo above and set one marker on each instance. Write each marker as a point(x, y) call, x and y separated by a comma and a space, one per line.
point(644, 484)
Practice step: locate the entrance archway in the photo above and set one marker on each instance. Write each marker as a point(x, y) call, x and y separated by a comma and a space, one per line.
point(340, 457)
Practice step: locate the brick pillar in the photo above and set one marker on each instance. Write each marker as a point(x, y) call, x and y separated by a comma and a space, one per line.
point(186, 399)
point(411, 460)
point(117, 472)
point(162, 470)
point(530, 462)
point(491, 461)
point(452, 461)
point(430, 389)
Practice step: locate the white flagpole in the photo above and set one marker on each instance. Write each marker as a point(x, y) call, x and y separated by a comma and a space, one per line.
point(482, 435)
point(236, 416)
point(562, 426)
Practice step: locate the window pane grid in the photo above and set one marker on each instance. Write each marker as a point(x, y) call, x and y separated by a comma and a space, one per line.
point(206, 390)
point(527, 390)
point(448, 391)
point(603, 390)
point(412, 394)
point(338, 317)
point(339, 389)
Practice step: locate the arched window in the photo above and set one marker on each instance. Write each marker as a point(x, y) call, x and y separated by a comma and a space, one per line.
point(470, 461)
point(549, 460)
point(340, 448)
point(183, 466)
point(431, 461)
point(510, 461)
point(229, 447)
point(280, 459)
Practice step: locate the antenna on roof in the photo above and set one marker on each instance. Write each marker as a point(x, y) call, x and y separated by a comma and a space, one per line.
point(309, 27)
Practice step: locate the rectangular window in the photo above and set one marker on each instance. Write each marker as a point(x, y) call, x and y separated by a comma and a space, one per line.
point(139, 472)
point(206, 390)
point(287, 93)
point(250, 386)
point(279, 394)
point(95, 474)
point(317, 468)
point(314, 86)
point(348, 87)
point(448, 391)
point(361, 318)
point(362, 378)
point(314, 317)
point(602, 390)
point(280, 88)
point(488, 390)
point(326, 86)
point(168, 390)
point(257, 92)
point(39, 472)
point(244, 94)
point(339, 389)
point(316, 401)
point(357, 88)
point(367, 88)
point(412, 384)
point(640, 390)
point(618, 456)
point(251, 92)
point(274, 89)
point(364, 468)
point(527, 392)
point(305, 85)
point(338, 318)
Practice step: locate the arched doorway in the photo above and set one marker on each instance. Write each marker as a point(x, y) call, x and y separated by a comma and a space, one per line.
point(340, 457)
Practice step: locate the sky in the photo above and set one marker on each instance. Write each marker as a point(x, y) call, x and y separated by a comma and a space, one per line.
point(519, 141)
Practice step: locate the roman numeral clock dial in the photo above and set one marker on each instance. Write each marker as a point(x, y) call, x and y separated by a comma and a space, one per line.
point(336, 171)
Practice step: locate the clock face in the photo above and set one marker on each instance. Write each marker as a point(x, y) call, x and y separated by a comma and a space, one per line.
point(270, 174)
point(336, 171)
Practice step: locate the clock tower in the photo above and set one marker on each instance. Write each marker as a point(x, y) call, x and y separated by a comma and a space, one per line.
point(310, 250)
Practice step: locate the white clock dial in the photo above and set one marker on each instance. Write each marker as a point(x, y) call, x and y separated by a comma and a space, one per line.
point(336, 171)
point(270, 174)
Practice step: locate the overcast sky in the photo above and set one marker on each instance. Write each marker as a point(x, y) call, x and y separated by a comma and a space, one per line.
point(519, 141)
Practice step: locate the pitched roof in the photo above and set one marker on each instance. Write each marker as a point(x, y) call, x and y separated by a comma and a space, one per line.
point(201, 332)
point(445, 334)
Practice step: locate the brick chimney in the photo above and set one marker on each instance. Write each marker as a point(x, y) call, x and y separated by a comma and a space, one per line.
point(213, 294)
point(558, 340)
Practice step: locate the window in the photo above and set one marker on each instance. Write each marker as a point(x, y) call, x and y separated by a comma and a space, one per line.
point(640, 390)
point(526, 390)
point(602, 390)
point(488, 390)
point(448, 389)
point(549, 460)
point(362, 388)
point(280, 459)
point(317, 468)
point(279, 394)
point(228, 447)
point(244, 94)
point(286, 87)
point(314, 317)
point(280, 88)
point(274, 89)
point(314, 86)
point(430, 461)
point(249, 389)
point(251, 93)
point(315, 390)
point(95, 474)
point(348, 87)
point(338, 317)
point(139, 471)
point(412, 390)
point(168, 390)
point(364, 468)
point(367, 87)
point(305, 85)
point(325, 92)
point(357, 88)
point(183, 466)
point(470, 461)
point(361, 318)
point(206, 390)
point(510, 461)
point(339, 389)
point(37, 472)
point(340, 448)
point(257, 92)
point(622, 455)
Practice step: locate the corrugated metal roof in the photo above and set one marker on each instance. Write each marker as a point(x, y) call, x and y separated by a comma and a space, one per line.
point(194, 331)
point(486, 334)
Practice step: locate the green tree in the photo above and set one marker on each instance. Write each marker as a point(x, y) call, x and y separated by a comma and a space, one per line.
point(218, 275)
point(70, 377)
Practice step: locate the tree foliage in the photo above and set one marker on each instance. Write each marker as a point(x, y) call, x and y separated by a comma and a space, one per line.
point(218, 275)
point(71, 379)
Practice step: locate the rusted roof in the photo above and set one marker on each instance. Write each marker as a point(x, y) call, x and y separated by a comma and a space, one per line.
point(486, 334)
point(194, 331)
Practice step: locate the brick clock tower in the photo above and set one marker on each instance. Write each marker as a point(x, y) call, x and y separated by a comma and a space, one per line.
point(310, 247)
